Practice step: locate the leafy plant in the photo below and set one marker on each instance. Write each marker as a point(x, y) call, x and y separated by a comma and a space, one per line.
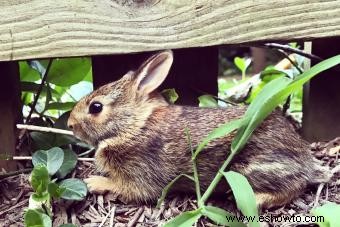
point(330, 213)
point(242, 64)
point(272, 95)
point(54, 162)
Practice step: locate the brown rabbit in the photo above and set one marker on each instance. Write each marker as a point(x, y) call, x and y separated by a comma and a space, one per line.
point(141, 142)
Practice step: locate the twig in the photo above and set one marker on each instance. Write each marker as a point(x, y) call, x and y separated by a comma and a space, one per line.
point(13, 207)
point(135, 217)
point(107, 215)
point(44, 129)
point(318, 193)
point(87, 152)
point(39, 91)
point(292, 50)
point(113, 211)
point(14, 173)
point(21, 158)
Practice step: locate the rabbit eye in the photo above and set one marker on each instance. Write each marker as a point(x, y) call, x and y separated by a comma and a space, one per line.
point(95, 107)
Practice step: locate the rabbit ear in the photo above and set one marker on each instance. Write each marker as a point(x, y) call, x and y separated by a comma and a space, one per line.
point(153, 71)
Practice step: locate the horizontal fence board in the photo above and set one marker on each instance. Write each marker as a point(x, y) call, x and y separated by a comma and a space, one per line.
point(46, 28)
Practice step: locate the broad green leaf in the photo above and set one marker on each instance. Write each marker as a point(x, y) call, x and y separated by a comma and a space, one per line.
point(207, 101)
point(219, 132)
point(258, 110)
point(67, 225)
point(240, 63)
point(221, 217)
point(69, 162)
point(52, 159)
point(61, 140)
point(34, 218)
point(185, 219)
point(33, 87)
point(329, 212)
point(68, 71)
point(170, 95)
point(43, 197)
point(55, 190)
point(271, 96)
point(271, 74)
point(45, 140)
point(27, 73)
point(60, 106)
point(75, 189)
point(168, 187)
point(40, 178)
point(244, 195)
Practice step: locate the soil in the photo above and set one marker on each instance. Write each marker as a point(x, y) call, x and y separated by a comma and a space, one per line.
point(106, 210)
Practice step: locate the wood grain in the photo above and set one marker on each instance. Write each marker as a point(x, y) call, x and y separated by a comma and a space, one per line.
point(46, 28)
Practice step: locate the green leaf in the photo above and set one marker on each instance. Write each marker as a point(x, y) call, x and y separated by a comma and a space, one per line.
point(258, 110)
point(168, 187)
point(221, 217)
point(242, 63)
point(330, 213)
point(271, 74)
point(207, 101)
point(219, 132)
point(170, 95)
point(185, 219)
point(52, 159)
point(34, 218)
point(40, 178)
point(68, 71)
point(45, 140)
point(33, 87)
point(75, 189)
point(244, 195)
point(27, 73)
point(43, 197)
point(60, 106)
point(69, 162)
point(55, 190)
point(274, 93)
point(67, 225)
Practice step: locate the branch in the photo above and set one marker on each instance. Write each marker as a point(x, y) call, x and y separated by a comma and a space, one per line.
point(24, 158)
point(291, 50)
point(39, 90)
point(44, 129)
point(14, 173)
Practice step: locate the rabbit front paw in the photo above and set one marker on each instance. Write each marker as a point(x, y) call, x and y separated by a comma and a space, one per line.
point(99, 184)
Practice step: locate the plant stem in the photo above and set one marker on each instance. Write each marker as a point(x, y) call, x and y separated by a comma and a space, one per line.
point(243, 75)
point(194, 167)
point(39, 90)
point(217, 179)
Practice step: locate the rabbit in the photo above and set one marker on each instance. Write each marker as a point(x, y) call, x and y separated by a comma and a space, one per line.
point(141, 143)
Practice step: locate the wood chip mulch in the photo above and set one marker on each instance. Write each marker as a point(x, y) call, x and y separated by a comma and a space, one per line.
point(106, 210)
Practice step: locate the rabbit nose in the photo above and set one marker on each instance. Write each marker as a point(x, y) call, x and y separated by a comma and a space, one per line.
point(70, 123)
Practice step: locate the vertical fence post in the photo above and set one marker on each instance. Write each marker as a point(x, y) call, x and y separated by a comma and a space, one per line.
point(321, 103)
point(10, 111)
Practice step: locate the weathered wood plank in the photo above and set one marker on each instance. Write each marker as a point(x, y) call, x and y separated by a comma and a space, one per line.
point(10, 111)
point(194, 71)
point(42, 28)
